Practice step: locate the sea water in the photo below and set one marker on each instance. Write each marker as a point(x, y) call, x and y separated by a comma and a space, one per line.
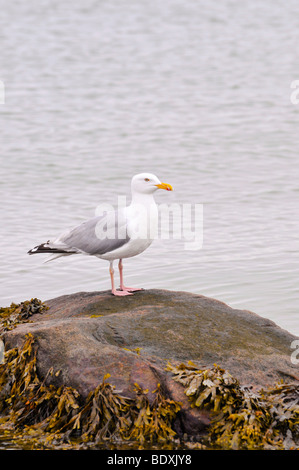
point(198, 93)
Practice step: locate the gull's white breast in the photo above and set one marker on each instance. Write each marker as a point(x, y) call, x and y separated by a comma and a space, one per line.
point(142, 227)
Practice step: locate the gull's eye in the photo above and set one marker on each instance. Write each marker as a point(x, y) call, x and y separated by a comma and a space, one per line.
point(146, 179)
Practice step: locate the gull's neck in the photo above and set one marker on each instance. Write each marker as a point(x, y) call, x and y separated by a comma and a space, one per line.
point(143, 199)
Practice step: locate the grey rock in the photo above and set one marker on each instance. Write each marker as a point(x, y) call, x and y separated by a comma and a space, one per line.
point(89, 334)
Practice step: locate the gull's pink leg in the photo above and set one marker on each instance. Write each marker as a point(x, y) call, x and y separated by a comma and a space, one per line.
point(122, 286)
point(113, 290)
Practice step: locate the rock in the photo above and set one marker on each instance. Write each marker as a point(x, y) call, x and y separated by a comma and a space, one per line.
point(89, 334)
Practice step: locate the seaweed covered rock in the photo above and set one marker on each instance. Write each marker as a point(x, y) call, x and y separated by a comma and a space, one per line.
point(241, 418)
point(83, 337)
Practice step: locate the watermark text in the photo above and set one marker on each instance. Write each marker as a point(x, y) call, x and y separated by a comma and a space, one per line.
point(163, 221)
point(294, 97)
point(295, 353)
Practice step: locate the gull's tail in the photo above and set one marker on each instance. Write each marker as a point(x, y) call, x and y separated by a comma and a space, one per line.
point(48, 247)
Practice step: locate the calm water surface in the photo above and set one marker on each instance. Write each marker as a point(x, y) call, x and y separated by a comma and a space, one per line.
point(196, 92)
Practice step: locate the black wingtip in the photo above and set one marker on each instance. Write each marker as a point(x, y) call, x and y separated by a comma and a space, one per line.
point(39, 249)
point(33, 250)
point(43, 248)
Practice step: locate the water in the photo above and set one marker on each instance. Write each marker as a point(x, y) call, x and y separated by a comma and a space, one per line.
point(196, 92)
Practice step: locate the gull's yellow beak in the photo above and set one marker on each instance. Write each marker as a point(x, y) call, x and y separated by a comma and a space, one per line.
point(166, 186)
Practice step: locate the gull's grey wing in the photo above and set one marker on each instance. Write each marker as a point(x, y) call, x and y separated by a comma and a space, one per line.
point(97, 236)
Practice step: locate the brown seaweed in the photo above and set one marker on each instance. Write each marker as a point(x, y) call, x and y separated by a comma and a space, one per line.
point(53, 416)
point(11, 316)
point(35, 414)
point(242, 419)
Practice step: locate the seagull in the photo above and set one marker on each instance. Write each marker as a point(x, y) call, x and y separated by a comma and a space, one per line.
point(115, 234)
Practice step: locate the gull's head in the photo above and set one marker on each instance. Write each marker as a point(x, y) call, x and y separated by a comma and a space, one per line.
point(147, 183)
